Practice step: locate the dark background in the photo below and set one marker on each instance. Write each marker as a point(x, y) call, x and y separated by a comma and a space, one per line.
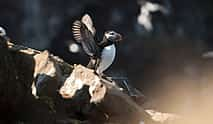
point(166, 64)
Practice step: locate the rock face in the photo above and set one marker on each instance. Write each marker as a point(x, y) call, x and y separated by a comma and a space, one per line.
point(79, 77)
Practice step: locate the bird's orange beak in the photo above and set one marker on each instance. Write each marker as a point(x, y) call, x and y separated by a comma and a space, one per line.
point(119, 38)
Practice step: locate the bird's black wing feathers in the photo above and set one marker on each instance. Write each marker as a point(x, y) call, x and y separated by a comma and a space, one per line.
point(84, 36)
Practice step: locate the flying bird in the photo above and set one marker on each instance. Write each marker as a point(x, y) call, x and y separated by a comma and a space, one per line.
point(145, 17)
point(102, 54)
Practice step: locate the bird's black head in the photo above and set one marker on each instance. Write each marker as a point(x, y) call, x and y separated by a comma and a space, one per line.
point(112, 36)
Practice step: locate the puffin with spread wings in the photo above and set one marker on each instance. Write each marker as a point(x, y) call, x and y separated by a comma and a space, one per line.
point(102, 54)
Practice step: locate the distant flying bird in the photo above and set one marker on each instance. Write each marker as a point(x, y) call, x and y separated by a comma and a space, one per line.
point(145, 17)
point(102, 54)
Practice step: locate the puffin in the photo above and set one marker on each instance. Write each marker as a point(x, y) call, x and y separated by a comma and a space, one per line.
point(101, 53)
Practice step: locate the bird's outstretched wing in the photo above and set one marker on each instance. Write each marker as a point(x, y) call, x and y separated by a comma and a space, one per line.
point(86, 19)
point(83, 32)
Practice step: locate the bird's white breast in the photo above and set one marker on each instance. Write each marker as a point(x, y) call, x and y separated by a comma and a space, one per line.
point(107, 58)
